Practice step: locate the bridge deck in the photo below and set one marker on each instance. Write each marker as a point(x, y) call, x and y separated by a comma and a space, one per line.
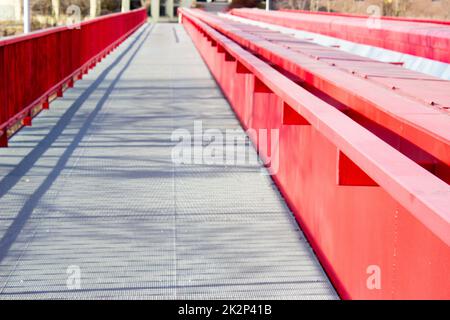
point(91, 184)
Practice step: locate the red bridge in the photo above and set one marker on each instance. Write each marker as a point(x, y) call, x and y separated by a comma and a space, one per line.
point(312, 161)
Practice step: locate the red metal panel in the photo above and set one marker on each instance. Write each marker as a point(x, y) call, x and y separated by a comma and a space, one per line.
point(409, 119)
point(401, 226)
point(419, 38)
point(39, 64)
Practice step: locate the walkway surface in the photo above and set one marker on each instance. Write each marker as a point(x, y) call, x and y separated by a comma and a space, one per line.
point(90, 192)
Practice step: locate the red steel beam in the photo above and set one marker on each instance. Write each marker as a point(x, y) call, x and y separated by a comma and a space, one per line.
point(361, 203)
point(421, 125)
point(428, 40)
point(38, 65)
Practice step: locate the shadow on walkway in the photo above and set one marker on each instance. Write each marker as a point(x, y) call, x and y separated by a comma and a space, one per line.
point(10, 180)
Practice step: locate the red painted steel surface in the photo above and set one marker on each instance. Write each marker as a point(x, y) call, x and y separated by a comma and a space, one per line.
point(37, 65)
point(360, 201)
point(419, 131)
point(423, 39)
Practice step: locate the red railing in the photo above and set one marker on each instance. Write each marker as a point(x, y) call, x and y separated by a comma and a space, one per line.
point(37, 66)
point(368, 211)
point(364, 16)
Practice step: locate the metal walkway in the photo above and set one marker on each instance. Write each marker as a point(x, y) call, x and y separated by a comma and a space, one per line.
point(91, 185)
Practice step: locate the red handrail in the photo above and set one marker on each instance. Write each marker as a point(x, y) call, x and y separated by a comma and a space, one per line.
point(37, 65)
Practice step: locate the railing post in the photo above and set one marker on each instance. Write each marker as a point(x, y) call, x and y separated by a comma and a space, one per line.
point(3, 138)
point(46, 105)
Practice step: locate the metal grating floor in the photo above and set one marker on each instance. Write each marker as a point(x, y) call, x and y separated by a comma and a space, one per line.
point(91, 184)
